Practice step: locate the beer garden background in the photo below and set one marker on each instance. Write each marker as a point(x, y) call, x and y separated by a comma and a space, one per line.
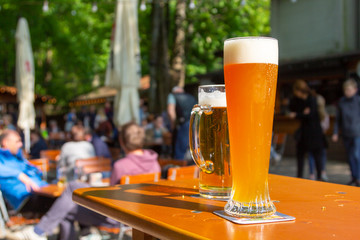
point(181, 44)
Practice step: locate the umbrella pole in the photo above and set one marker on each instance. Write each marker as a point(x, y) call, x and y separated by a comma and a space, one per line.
point(27, 139)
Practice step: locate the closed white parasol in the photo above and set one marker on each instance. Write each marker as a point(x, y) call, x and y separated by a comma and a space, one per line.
point(124, 70)
point(25, 80)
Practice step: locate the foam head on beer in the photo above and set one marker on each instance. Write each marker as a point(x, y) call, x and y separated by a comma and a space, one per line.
point(214, 99)
point(251, 50)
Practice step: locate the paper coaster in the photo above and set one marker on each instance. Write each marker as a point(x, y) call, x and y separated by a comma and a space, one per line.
point(217, 199)
point(276, 217)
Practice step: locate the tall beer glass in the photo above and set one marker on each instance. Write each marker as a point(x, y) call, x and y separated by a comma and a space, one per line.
point(250, 68)
point(209, 142)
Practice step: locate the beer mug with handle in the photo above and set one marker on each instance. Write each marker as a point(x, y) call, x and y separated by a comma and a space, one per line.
point(209, 142)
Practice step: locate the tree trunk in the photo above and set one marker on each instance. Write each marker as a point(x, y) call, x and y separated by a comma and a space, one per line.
point(159, 61)
point(178, 61)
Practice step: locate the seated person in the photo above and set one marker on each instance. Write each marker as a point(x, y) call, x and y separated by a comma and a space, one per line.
point(71, 151)
point(100, 147)
point(64, 211)
point(137, 160)
point(37, 144)
point(155, 134)
point(8, 122)
point(17, 176)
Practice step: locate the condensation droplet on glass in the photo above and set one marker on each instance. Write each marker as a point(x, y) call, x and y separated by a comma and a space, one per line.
point(323, 208)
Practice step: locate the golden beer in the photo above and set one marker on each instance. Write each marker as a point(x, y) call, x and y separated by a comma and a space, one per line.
point(250, 68)
point(209, 144)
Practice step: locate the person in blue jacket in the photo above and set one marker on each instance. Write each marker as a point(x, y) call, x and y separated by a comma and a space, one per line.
point(18, 178)
point(347, 124)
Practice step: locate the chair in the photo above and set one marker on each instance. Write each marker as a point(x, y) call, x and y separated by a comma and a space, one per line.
point(188, 172)
point(164, 162)
point(51, 155)
point(42, 164)
point(132, 179)
point(10, 221)
point(140, 178)
point(4, 214)
point(87, 166)
point(115, 153)
point(26, 154)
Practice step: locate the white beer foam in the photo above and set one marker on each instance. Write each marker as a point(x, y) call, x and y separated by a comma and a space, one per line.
point(251, 50)
point(214, 99)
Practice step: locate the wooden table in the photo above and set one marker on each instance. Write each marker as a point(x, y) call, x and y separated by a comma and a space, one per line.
point(51, 190)
point(166, 210)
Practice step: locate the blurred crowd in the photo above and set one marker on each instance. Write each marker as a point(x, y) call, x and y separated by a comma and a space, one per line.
point(87, 133)
point(90, 132)
point(308, 107)
point(162, 130)
point(84, 133)
point(167, 133)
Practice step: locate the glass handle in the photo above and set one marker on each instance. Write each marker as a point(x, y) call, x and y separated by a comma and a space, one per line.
point(194, 138)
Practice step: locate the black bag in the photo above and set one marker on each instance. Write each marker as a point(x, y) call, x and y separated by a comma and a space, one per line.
point(184, 105)
point(297, 134)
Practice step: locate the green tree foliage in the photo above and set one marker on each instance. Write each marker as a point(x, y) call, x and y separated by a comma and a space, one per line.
point(71, 43)
point(211, 22)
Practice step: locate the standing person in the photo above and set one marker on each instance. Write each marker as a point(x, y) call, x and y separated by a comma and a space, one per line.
point(108, 108)
point(13, 112)
point(84, 116)
point(71, 151)
point(56, 135)
point(92, 116)
point(65, 212)
point(348, 126)
point(103, 127)
point(325, 124)
point(17, 176)
point(309, 136)
point(70, 120)
point(179, 108)
point(53, 127)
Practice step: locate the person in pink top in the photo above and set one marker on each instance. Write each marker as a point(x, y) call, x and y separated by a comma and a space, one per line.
point(137, 160)
point(64, 212)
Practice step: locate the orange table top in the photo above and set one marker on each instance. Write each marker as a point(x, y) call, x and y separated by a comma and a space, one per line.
point(166, 210)
point(51, 190)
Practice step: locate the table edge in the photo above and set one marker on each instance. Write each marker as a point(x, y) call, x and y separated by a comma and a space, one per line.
point(144, 224)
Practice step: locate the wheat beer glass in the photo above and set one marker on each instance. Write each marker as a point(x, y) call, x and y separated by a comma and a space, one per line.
point(250, 68)
point(209, 142)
